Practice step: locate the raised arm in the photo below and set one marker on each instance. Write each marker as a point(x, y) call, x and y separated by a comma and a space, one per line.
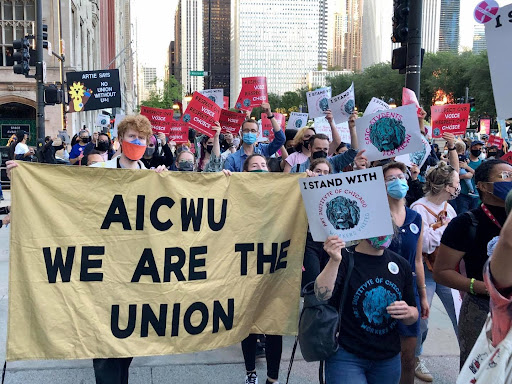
point(325, 281)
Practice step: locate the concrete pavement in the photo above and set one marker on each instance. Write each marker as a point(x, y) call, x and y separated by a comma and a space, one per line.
point(219, 366)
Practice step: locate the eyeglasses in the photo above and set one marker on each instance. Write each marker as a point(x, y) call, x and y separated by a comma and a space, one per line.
point(249, 131)
point(394, 177)
point(504, 175)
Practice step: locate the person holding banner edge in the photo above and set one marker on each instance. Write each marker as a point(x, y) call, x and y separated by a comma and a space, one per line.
point(249, 132)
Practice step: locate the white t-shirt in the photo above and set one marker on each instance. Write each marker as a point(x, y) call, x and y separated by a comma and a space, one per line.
point(432, 237)
point(21, 149)
point(113, 163)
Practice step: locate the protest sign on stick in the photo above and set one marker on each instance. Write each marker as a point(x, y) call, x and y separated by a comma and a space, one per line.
point(230, 122)
point(160, 119)
point(253, 93)
point(343, 105)
point(495, 140)
point(323, 126)
point(297, 120)
point(215, 95)
point(451, 118)
point(318, 102)
point(376, 105)
point(158, 265)
point(201, 114)
point(350, 205)
point(389, 133)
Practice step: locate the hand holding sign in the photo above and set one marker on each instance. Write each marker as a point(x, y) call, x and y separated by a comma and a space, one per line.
point(343, 105)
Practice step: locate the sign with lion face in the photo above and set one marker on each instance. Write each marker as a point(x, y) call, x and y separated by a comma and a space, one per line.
point(350, 205)
point(389, 133)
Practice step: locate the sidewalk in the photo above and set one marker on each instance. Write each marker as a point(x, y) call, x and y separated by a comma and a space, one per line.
point(219, 366)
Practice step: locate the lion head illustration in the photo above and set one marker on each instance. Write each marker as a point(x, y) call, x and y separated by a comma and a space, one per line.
point(343, 213)
point(387, 134)
point(323, 104)
point(349, 106)
point(375, 303)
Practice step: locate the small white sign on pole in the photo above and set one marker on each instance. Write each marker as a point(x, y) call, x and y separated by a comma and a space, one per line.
point(389, 133)
point(297, 120)
point(318, 102)
point(343, 105)
point(350, 205)
point(375, 105)
point(322, 126)
point(216, 95)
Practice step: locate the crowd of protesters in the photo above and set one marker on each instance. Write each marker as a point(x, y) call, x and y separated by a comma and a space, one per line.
point(446, 213)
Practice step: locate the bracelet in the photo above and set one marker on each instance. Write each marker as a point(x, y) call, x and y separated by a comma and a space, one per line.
point(424, 286)
point(270, 117)
point(472, 282)
point(451, 149)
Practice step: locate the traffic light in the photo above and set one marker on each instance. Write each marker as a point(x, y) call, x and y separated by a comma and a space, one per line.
point(400, 21)
point(471, 101)
point(45, 36)
point(21, 56)
point(53, 94)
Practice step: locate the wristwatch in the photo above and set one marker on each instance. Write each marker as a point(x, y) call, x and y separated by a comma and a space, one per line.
point(270, 117)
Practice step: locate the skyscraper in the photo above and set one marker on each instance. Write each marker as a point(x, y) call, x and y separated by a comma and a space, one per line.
point(376, 32)
point(220, 22)
point(347, 35)
point(431, 18)
point(479, 43)
point(279, 39)
point(147, 82)
point(449, 26)
point(188, 44)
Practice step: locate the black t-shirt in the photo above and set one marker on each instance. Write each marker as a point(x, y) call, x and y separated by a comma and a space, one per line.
point(457, 236)
point(367, 330)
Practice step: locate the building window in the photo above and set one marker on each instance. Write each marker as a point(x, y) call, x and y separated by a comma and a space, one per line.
point(17, 19)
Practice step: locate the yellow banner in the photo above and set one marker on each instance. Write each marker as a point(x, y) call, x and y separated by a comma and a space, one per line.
point(117, 263)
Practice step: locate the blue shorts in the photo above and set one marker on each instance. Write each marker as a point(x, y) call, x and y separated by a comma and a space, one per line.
point(412, 330)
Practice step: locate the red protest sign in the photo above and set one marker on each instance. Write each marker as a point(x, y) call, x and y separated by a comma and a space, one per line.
point(495, 140)
point(267, 131)
point(226, 102)
point(178, 132)
point(160, 119)
point(230, 122)
point(507, 157)
point(409, 97)
point(253, 93)
point(451, 118)
point(201, 114)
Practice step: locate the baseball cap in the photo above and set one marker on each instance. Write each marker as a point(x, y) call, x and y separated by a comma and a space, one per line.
point(477, 142)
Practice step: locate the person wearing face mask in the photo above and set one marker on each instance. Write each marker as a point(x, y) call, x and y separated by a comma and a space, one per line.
point(407, 243)
point(255, 163)
point(153, 158)
point(185, 161)
point(101, 144)
point(320, 146)
point(467, 201)
point(77, 151)
point(442, 185)
point(300, 144)
point(380, 296)
point(466, 238)
point(492, 152)
point(249, 130)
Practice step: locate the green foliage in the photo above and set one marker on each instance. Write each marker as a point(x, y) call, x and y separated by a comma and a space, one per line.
point(164, 98)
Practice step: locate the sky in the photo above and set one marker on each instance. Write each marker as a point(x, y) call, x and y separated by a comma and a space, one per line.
point(154, 21)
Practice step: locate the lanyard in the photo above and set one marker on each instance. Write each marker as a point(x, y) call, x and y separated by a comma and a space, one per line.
point(490, 215)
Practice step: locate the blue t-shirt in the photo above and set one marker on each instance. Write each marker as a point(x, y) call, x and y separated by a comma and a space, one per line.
point(76, 150)
point(463, 186)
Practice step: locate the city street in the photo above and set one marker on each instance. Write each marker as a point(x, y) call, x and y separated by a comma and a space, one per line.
point(224, 365)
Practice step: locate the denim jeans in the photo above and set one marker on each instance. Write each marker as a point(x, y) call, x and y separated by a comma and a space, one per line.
point(445, 295)
point(464, 203)
point(347, 368)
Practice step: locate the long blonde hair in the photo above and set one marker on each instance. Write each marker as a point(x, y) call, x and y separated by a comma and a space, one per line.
point(299, 137)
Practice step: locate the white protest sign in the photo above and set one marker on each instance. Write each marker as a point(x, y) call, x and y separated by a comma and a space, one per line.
point(322, 126)
point(350, 205)
point(102, 120)
point(318, 102)
point(297, 120)
point(497, 36)
point(418, 157)
point(389, 133)
point(343, 105)
point(215, 95)
point(375, 105)
point(119, 117)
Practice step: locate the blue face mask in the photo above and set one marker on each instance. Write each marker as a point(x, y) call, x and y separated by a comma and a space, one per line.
point(501, 189)
point(397, 188)
point(249, 138)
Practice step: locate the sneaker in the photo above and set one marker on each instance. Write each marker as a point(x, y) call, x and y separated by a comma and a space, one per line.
point(474, 195)
point(269, 382)
point(422, 372)
point(251, 378)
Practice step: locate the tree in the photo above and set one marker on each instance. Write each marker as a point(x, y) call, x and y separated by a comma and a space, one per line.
point(164, 98)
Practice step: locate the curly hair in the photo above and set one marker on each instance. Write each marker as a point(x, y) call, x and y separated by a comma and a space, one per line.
point(438, 177)
point(138, 123)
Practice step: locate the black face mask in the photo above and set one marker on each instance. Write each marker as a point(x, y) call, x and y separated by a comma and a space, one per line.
point(476, 152)
point(85, 139)
point(319, 155)
point(185, 166)
point(305, 144)
point(492, 154)
point(102, 146)
point(209, 148)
